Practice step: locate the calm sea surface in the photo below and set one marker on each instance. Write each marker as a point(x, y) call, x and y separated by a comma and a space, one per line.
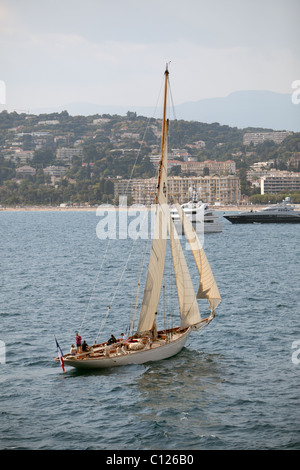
point(234, 386)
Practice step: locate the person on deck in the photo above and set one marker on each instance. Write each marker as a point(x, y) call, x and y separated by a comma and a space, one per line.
point(154, 329)
point(111, 340)
point(78, 341)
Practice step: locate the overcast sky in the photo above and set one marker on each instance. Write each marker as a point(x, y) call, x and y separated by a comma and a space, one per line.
point(113, 52)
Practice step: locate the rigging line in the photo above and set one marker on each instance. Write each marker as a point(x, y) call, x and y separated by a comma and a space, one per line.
point(171, 99)
point(95, 283)
point(142, 143)
point(164, 305)
point(171, 291)
point(115, 293)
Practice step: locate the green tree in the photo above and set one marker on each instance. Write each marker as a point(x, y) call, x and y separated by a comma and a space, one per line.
point(43, 157)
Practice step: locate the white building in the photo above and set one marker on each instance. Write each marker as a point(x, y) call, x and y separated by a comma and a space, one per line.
point(66, 154)
point(212, 189)
point(57, 171)
point(260, 137)
point(280, 181)
point(24, 171)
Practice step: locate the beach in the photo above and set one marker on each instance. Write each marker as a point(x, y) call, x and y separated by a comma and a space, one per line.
point(111, 207)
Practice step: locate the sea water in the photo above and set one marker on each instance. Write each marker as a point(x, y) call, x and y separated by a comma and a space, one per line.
point(234, 386)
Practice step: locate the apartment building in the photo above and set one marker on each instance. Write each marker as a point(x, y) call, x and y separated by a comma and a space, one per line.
point(220, 168)
point(212, 189)
point(219, 189)
point(19, 156)
point(58, 171)
point(260, 137)
point(24, 171)
point(66, 154)
point(280, 181)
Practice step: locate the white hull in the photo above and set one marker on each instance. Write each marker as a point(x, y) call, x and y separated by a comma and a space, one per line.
point(215, 227)
point(196, 212)
point(159, 350)
point(209, 227)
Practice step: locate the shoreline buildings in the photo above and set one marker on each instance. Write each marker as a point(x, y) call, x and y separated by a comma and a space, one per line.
point(211, 189)
point(280, 181)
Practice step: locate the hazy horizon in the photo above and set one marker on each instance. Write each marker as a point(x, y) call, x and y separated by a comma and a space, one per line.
point(60, 52)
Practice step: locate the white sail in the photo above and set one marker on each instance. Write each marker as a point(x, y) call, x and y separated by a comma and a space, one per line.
point(158, 250)
point(189, 310)
point(208, 288)
point(154, 275)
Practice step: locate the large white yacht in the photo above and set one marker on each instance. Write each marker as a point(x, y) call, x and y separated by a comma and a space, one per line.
point(200, 215)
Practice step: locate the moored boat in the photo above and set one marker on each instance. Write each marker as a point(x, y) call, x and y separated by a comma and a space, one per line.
point(282, 213)
point(203, 218)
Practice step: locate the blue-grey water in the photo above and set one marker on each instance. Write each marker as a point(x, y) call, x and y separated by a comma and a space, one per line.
point(234, 386)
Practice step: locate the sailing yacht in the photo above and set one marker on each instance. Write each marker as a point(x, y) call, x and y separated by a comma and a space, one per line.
point(147, 344)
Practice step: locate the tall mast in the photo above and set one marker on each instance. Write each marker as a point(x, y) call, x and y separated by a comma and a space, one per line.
point(164, 111)
point(164, 131)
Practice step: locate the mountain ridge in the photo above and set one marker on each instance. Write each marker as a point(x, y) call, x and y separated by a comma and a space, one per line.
point(242, 109)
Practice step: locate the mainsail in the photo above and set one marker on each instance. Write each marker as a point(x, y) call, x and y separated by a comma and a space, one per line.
point(158, 250)
point(155, 274)
point(208, 288)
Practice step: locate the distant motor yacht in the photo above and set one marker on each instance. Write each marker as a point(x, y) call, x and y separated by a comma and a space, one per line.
point(282, 213)
point(200, 215)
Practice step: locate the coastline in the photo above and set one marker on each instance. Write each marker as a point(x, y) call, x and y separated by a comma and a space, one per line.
point(233, 208)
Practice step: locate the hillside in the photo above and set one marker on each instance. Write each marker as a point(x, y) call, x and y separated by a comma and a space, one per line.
point(91, 151)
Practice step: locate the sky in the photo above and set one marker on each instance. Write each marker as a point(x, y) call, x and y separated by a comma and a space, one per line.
point(113, 52)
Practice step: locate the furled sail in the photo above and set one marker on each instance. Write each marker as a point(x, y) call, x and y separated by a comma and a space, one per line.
point(189, 310)
point(208, 288)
